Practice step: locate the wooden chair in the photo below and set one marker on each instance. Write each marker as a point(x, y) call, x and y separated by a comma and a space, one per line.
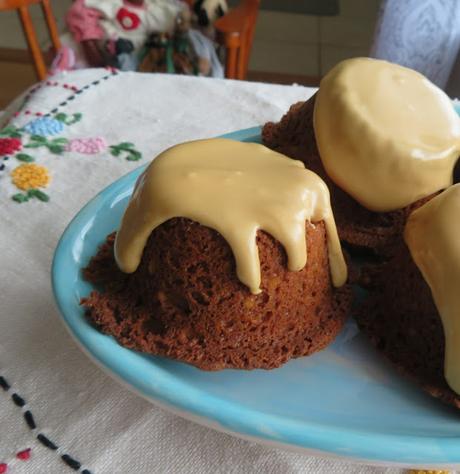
point(235, 31)
point(22, 7)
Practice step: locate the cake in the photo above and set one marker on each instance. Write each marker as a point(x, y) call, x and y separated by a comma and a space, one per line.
point(411, 315)
point(227, 257)
point(383, 138)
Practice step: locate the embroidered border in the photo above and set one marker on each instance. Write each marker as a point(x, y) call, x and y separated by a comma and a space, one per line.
point(41, 438)
point(75, 93)
point(70, 98)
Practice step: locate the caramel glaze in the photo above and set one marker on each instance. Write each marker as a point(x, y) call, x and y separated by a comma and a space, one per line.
point(432, 234)
point(236, 189)
point(386, 135)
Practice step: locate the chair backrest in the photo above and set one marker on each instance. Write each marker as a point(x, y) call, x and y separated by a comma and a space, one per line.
point(15, 4)
point(251, 8)
point(22, 7)
point(236, 32)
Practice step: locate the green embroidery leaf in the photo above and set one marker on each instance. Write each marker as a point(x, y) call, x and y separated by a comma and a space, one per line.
point(56, 149)
point(20, 198)
point(61, 117)
point(33, 145)
point(131, 153)
point(76, 118)
point(115, 151)
point(134, 155)
point(6, 131)
point(126, 145)
point(60, 141)
point(38, 138)
point(64, 118)
point(24, 157)
point(10, 131)
point(40, 195)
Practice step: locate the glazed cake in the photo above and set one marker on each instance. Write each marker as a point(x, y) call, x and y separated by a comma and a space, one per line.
point(411, 314)
point(227, 257)
point(382, 137)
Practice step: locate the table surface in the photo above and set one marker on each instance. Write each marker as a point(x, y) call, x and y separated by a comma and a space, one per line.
point(59, 412)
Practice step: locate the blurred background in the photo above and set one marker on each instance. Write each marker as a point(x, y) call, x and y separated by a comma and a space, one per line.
point(295, 41)
point(299, 45)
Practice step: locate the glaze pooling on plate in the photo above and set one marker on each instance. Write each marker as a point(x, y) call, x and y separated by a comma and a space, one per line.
point(236, 189)
point(386, 135)
point(344, 401)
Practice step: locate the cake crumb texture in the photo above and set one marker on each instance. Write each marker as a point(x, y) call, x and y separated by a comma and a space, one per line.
point(186, 302)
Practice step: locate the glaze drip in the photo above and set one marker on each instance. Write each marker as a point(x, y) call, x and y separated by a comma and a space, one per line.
point(236, 189)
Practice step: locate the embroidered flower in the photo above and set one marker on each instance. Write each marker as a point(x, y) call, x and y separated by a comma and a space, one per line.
point(87, 146)
point(30, 176)
point(44, 126)
point(9, 146)
point(127, 19)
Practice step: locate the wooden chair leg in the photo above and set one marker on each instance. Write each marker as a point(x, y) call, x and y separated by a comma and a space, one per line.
point(231, 63)
point(32, 42)
point(51, 23)
point(241, 69)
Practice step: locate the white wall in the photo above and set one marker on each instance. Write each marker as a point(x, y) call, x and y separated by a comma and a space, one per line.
point(311, 45)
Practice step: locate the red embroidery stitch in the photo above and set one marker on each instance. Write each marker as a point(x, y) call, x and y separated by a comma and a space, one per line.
point(8, 146)
point(3, 468)
point(24, 455)
point(127, 19)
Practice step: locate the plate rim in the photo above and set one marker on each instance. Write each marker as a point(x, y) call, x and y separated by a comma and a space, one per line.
point(230, 417)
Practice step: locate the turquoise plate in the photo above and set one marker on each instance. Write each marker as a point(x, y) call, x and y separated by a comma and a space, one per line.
point(344, 401)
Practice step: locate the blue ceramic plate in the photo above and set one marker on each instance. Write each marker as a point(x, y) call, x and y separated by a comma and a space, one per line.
point(344, 401)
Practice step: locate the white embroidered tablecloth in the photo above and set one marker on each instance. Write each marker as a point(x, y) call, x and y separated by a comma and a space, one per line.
point(58, 412)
